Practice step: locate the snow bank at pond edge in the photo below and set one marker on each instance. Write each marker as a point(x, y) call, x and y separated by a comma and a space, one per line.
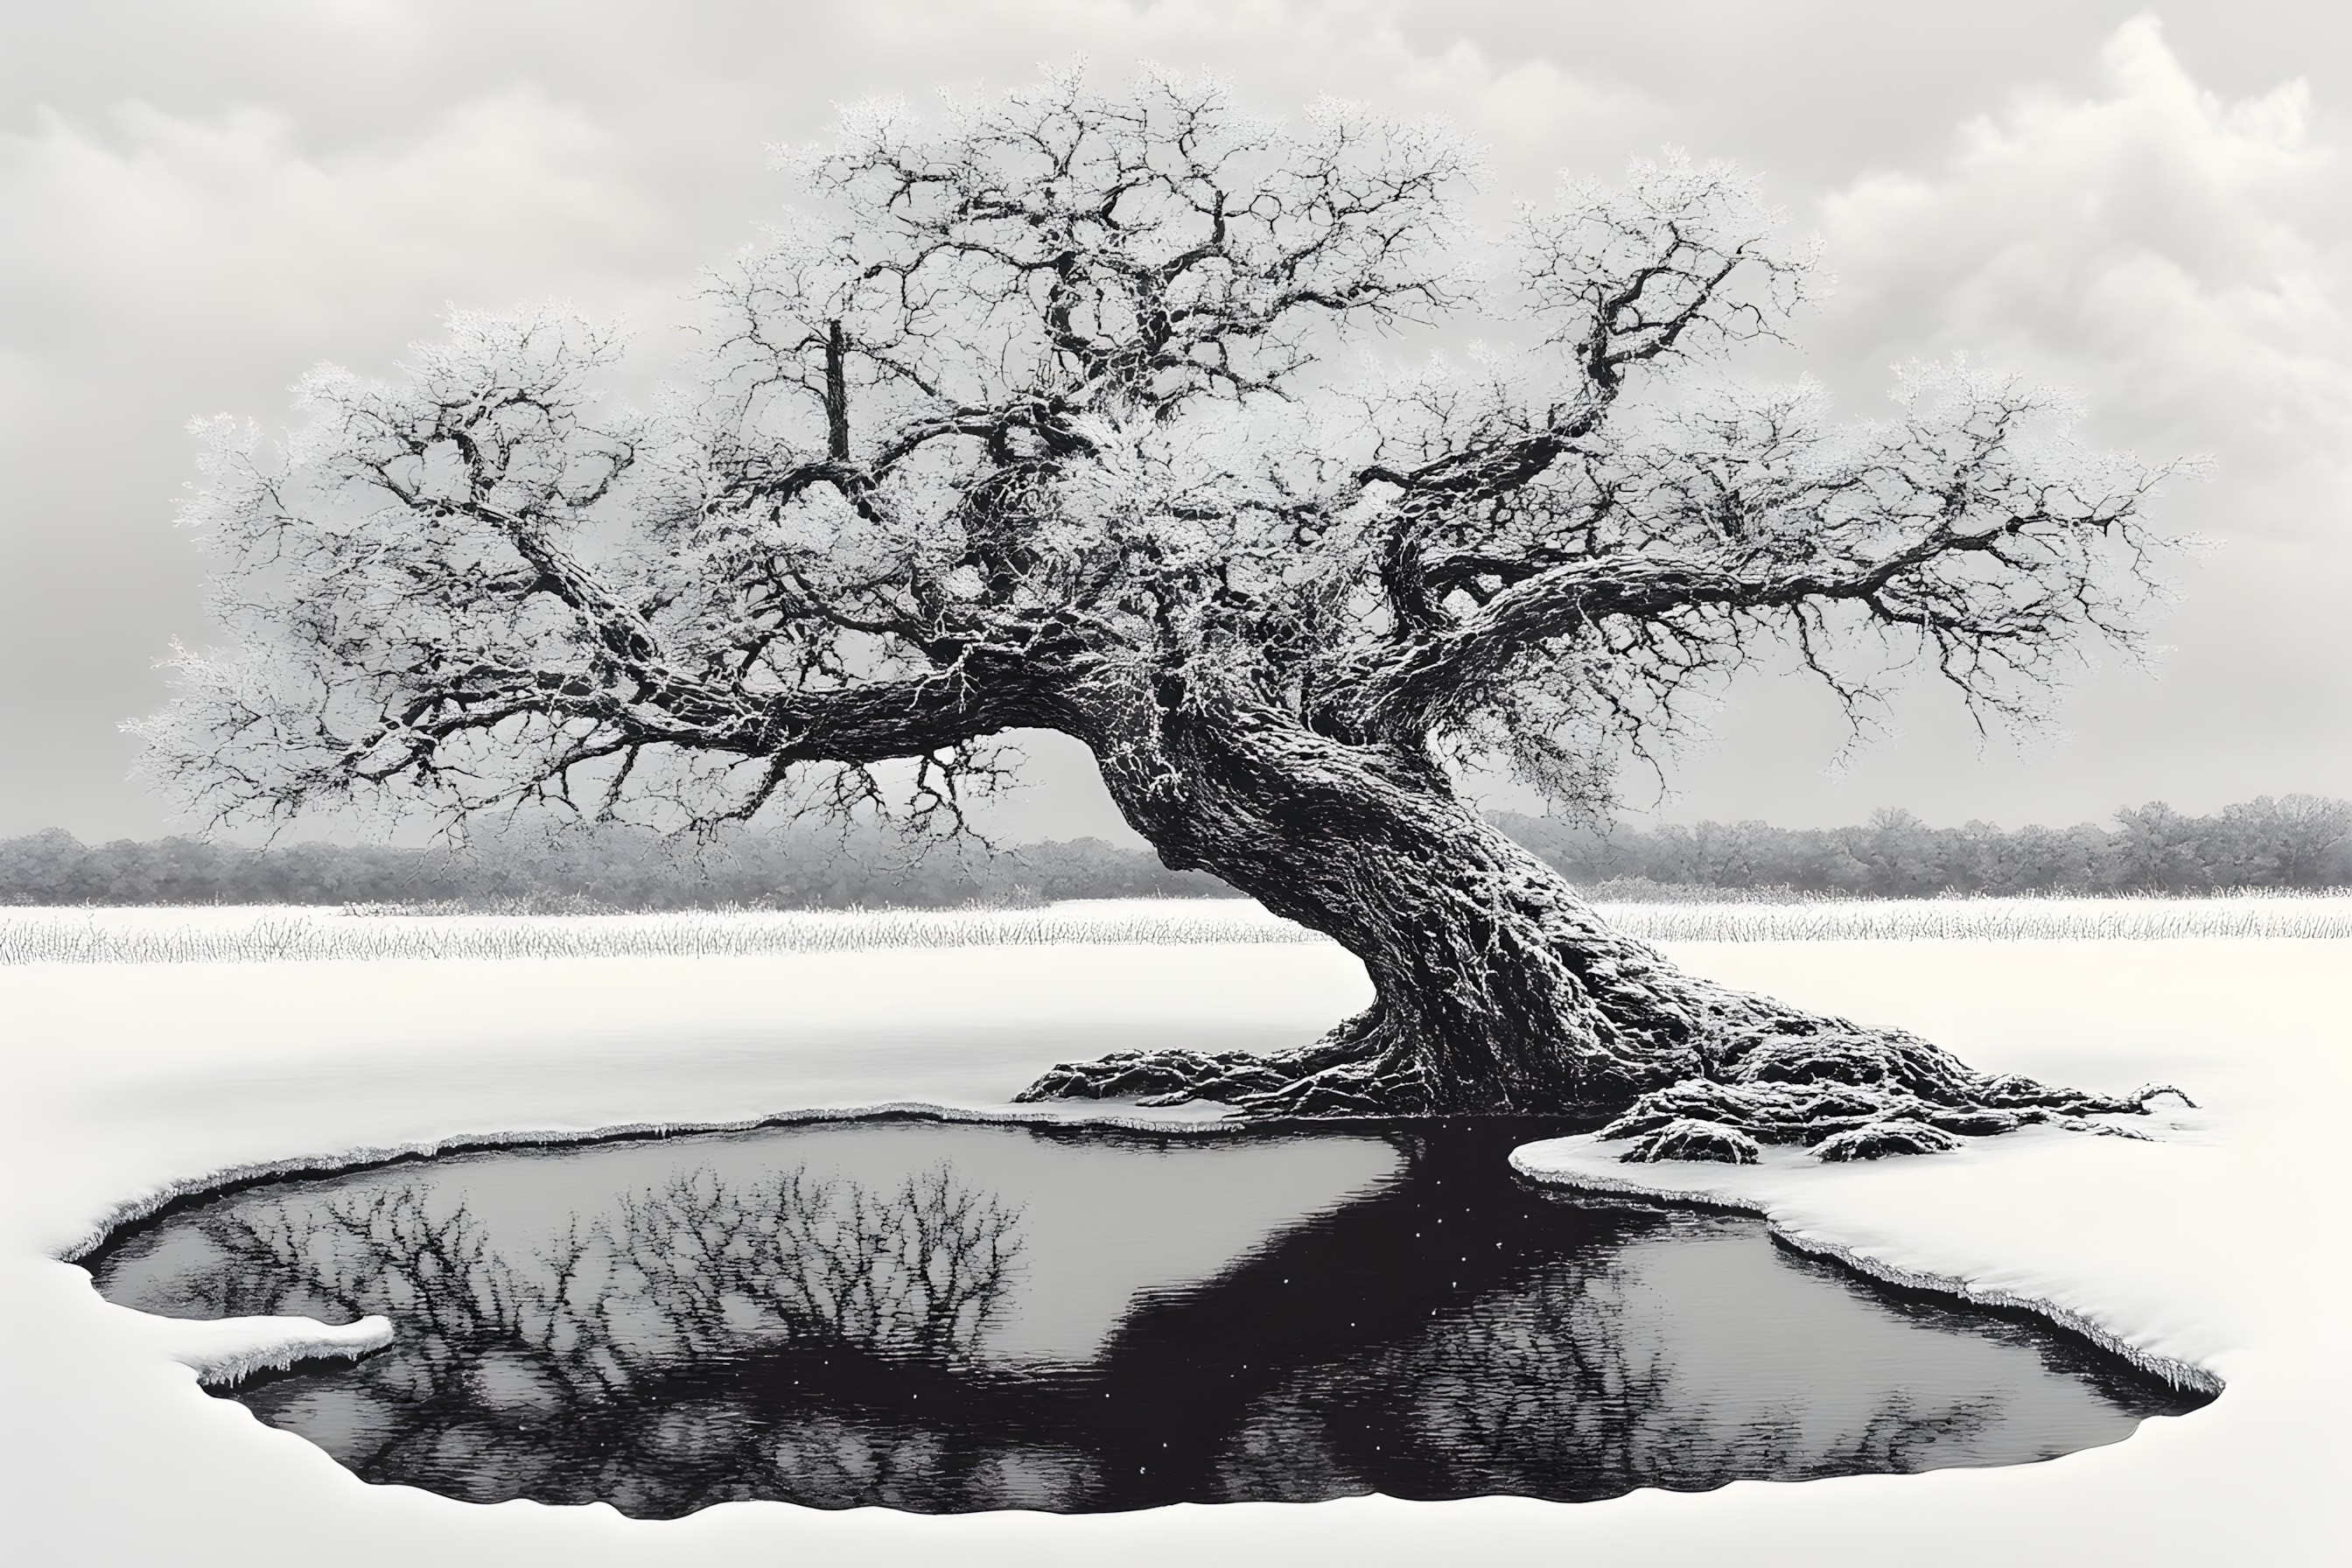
point(1584, 1164)
point(2217, 1246)
point(222, 1351)
point(1201, 1118)
point(228, 1350)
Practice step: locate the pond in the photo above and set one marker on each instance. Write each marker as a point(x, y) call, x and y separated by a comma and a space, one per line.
point(948, 1317)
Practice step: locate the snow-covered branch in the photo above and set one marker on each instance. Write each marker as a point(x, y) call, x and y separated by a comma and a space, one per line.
point(1971, 532)
point(1021, 423)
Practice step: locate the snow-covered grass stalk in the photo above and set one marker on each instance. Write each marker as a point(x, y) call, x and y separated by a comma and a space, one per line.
point(240, 935)
point(2307, 917)
point(216, 935)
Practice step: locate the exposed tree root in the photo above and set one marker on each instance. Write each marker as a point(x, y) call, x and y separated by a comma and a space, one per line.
point(1770, 1074)
point(1784, 1077)
point(1688, 1139)
point(1876, 1140)
point(1364, 1068)
point(1499, 991)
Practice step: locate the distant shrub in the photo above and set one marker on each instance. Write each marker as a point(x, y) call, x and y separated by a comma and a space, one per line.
point(584, 871)
point(2287, 842)
point(2294, 842)
point(1642, 891)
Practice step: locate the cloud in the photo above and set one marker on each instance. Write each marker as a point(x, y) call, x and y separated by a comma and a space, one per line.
point(152, 230)
point(2181, 260)
point(199, 199)
point(1534, 113)
point(2179, 257)
point(202, 199)
point(161, 265)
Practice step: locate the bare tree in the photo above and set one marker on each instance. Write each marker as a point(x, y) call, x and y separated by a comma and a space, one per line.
point(1031, 421)
point(919, 1272)
point(624, 1361)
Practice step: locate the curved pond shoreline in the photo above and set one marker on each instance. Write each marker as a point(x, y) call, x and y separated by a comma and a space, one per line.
point(1581, 1165)
point(1147, 1278)
point(2212, 1248)
point(1574, 1164)
point(222, 1351)
point(134, 1212)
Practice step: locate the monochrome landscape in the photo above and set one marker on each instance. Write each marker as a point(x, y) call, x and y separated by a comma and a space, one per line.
point(604, 1069)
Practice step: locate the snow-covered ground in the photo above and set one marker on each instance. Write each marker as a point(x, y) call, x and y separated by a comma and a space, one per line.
point(2221, 1245)
point(274, 933)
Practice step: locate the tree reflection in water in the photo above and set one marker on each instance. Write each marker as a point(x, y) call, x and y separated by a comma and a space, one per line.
point(1564, 1389)
point(1447, 1334)
point(646, 1361)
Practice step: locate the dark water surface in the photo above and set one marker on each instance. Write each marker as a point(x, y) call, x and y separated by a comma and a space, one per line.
point(950, 1317)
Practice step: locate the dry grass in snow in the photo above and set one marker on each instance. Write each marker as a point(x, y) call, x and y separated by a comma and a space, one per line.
point(258, 934)
point(265, 934)
point(2312, 917)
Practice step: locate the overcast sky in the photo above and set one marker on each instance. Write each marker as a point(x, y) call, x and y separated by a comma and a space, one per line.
point(200, 199)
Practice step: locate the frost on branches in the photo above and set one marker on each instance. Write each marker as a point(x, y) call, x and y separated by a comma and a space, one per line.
point(1057, 411)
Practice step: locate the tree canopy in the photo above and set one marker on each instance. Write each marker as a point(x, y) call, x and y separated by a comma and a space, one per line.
point(1079, 409)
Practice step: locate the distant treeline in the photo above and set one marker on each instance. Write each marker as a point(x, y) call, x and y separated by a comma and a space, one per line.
point(2292, 841)
point(584, 870)
point(2283, 841)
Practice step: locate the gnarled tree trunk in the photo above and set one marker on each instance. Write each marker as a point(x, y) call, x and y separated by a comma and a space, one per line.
point(1497, 990)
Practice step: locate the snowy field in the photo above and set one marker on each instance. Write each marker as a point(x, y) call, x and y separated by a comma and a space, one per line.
point(266, 933)
point(2219, 1247)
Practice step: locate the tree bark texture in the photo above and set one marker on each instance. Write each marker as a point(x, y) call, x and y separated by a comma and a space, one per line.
point(1497, 990)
